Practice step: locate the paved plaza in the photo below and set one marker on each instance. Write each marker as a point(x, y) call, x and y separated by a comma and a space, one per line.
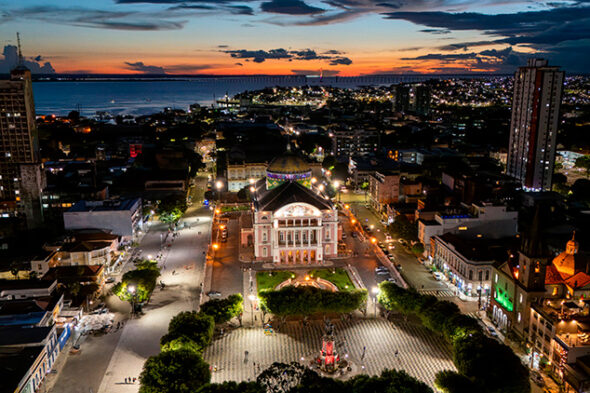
point(421, 353)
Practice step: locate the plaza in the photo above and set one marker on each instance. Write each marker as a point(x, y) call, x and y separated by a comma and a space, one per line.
point(420, 352)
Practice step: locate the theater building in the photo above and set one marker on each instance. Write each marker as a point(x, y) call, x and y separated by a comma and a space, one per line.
point(292, 221)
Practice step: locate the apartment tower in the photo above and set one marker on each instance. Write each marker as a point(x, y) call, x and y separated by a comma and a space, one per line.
point(533, 129)
point(21, 176)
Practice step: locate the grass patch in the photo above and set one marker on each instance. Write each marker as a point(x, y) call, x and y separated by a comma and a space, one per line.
point(269, 280)
point(226, 209)
point(337, 276)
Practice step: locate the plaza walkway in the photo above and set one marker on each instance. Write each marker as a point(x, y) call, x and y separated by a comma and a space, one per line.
point(421, 353)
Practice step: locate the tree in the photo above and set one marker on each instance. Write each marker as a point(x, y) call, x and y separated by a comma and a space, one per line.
point(308, 300)
point(282, 377)
point(560, 183)
point(181, 371)
point(223, 310)
point(329, 162)
point(190, 330)
point(231, 387)
point(451, 382)
point(143, 279)
point(388, 381)
point(171, 209)
point(403, 228)
point(583, 163)
point(418, 248)
point(14, 269)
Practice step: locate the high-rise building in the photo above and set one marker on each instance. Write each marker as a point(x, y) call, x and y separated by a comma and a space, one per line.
point(533, 129)
point(21, 177)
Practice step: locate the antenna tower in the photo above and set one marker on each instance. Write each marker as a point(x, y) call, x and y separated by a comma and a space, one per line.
point(20, 52)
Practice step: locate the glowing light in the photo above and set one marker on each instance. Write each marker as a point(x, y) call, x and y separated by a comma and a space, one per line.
point(215, 246)
point(219, 184)
point(336, 184)
point(346, 207)
point(306, 278)
point(217, 211)
point(375, 290)
point(313, 180)
point(222, 227)
point(353, 220)
point(373, 240)
point(252, 189)
point(321, 187)
point(251, 180)
point(251, 298)
point(131, 289)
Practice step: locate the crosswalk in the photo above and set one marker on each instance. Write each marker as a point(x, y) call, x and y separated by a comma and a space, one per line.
point(443, 293)
point(420, 352)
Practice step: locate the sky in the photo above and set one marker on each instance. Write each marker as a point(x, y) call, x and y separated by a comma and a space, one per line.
point(333, 37)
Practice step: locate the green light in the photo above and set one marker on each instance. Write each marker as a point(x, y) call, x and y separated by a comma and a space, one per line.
point(504, 300)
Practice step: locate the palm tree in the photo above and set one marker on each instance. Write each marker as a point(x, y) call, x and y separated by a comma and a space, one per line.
point(14, 269)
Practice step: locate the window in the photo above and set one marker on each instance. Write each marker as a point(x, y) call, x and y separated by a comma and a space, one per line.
point(264, 237)
point(520, 299)
point(496, 278)
point(487, 275)
point(519, 317)
point(264, 252)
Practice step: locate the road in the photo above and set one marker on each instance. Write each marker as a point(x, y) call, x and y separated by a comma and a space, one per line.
point(105, 361)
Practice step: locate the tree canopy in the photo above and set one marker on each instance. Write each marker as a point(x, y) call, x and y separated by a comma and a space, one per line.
point(180, 371)
point(403, 228)
point(171, 209)
point(307, 300)
point(143, 279)
point(503, 373)
point(189, 329)
point(223, 310)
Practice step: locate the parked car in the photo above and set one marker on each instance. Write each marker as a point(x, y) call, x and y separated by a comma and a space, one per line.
point(343, 235)
point(538, 379)
point(391, 257)
point(214, 294)
point(492, 331)
point(353, 234)
point(110, 280)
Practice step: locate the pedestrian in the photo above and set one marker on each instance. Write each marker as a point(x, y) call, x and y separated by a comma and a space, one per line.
point(396, 353)
point(125, 380)
point(134, 379)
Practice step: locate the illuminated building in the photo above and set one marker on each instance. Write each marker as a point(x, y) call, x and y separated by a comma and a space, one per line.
point(533, 128)
point(292, 223)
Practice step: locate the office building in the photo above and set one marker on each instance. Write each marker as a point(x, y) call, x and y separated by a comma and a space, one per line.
point(21, 177)
point(533, 128)
point(120, 217)
point(355, 142)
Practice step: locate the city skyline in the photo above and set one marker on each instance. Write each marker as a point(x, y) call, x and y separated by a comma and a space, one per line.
point(342, 37)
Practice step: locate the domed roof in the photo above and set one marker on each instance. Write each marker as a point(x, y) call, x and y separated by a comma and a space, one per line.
point(568, 263)
point(288, 163)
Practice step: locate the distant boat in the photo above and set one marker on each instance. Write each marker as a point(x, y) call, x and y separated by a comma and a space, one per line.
point(113, 101)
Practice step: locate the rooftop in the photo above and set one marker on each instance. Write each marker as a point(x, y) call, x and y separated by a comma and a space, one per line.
point(110, 205)
point(480, 249)
point(14, 364)
point(287, 193)
point(15, 336)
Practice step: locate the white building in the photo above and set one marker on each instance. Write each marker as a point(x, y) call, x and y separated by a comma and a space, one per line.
point(120, 217)
point(292, 222)
point(243, 175)
point(486, 219)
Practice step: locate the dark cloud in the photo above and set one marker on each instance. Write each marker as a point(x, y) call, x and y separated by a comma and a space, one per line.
point(333, 52)
point(340, 61)
point(290, 7)
point(139, 66)
point(436, 31)
point(260, 56)
point(10, 61)
point(116, 20)
point(145, 69)
point(443, 57)
point(239, 64)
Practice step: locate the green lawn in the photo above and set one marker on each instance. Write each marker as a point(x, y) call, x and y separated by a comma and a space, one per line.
point(269, 280)
point(339, 278)
point(230, 208)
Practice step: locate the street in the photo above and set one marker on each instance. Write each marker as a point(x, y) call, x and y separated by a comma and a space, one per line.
point(105, 361)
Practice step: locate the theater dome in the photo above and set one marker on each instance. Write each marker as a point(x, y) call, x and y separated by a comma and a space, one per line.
point(286, 168)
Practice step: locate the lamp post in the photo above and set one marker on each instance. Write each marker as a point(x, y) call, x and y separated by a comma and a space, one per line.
point(336, 185)
point(375, 291)
point(252, 298)
point(219, 187)
point(131, 290)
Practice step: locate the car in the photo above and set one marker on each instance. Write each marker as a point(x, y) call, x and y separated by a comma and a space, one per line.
point(382, 246)
point(224, 239)
point(492, 331)
point(110, 280)
point(438, 276)
point(391, 279)
point(388, 238)
point(382, 273)
point(391, 257)
point(343, 235)
point(353, 234)
point(214, 294)
point(378, 268)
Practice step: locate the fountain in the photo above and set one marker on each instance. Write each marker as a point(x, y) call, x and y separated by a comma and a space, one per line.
point(329, 360)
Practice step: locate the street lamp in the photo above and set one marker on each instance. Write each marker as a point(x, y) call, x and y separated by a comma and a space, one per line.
point(131, 290)
point(375, 291)
point(252, 298)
